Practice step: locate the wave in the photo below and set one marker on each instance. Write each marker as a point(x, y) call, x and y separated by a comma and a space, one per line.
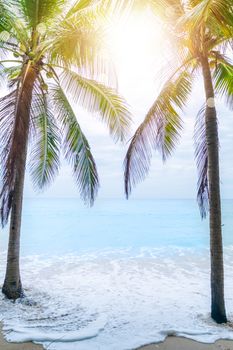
point(115, 299)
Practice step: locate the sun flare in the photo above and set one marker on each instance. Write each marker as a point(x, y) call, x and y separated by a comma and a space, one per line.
point(135, 42)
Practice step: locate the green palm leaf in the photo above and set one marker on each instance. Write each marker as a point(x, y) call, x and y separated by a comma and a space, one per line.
point(10, 75)
point(96, 97)
point(159, 131)
point(91, 9)
point(77, 35)
point(78, 40)
point(12, 145)
point(76, 45)
point(39, 11)
point(223, 79)
point(80, 5)
point(76, 147)
point(7, 114)
point(201, 155)
point(5, 24)
point(216, 14)
point(44, 160)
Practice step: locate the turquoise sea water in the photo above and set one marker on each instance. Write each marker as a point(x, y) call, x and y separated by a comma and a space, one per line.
point(115, 276)
point(60, 226)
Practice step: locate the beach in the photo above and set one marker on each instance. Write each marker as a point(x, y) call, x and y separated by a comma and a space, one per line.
point(120, 294)
point(116, 192)
point(178, 343)
point(4, 345)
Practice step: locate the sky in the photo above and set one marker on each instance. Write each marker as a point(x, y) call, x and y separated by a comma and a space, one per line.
point(139, 51)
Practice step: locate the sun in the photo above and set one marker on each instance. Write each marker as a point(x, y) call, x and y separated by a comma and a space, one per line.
point(136, 42)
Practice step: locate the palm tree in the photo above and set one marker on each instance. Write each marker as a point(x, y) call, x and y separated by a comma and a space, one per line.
point(200, 31)
point(51, 49)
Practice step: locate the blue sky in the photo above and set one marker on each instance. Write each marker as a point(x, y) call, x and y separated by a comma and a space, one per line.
point(138, 65)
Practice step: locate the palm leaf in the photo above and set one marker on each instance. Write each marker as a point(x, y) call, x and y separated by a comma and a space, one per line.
point(7, 109)
point(79, 39)
point(96, 97)
point(10, 75)
point(169, 10)
point(76, 147)
point(39, 11)
point(91, 9)
point(7, 114)
point(76, 36)
point(223, 79)
point(211, 13)
point(44, 160)
point(75, 45)
point(160, 130)
point(5, 15)
point(17, 105)
point(201, 155)
point(97, 9)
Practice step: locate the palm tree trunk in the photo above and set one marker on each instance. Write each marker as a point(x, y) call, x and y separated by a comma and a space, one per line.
point(218, 312)
point(12, 286)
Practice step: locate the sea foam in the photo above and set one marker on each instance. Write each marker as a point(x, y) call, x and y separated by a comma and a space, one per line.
point(115, 300)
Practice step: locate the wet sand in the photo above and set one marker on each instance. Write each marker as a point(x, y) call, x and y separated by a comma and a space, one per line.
point(4, 345)
point(176, 343)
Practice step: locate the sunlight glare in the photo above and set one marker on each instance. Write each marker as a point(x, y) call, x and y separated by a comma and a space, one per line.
point(135, 42)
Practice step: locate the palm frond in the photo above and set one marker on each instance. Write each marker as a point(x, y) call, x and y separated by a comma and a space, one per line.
point(97, 9)
point(212, 14)
point(45, 155)
point(76, 45)
point(10, 75)
point(39, 11)
point(79, 5)
point(91, 9)
point(169, 10)
point(18, 106)
point(80, 43)
point(76, 147)
point(96, 97)
point(7, 113)
point(222, 12)
point(16, 37)
point(82, 50)
point(223, 80)
point(159, 131)
point(201, 156)
point(7, 108)
point(5, 16)
point(79, 39)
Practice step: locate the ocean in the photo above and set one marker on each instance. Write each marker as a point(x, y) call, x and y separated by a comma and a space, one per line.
point(116, 276)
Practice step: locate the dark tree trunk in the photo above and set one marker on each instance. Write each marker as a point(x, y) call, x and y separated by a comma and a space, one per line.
point(12, 286)
point(218, 312)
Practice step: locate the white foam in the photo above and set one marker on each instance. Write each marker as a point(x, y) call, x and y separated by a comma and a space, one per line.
point(116, 301)
point(26, 334)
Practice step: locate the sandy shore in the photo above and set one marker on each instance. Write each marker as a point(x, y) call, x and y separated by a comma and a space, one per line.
point(171, 343)
point(176, 343)
point(4, 345)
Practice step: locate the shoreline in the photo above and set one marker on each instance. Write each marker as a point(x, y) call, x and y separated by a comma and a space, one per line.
point(170, 343)
point(4, 345)
point(181, 343)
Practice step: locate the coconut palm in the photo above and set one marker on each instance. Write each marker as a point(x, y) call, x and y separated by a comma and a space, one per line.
point(200, 31)
point(50, 49)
